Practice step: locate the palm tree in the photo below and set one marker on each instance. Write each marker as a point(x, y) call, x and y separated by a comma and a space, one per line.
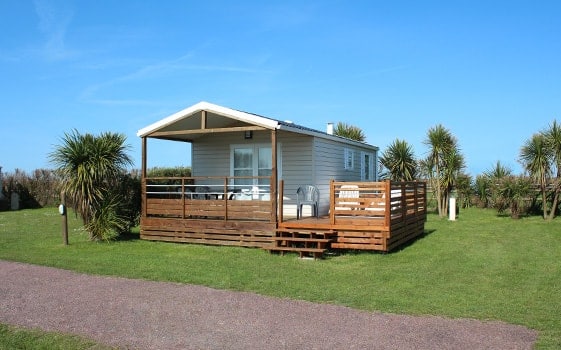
point(453, 164)
point(494, 178)
point(400, 161)
point(513, 193)
point(482, 188)
point(443, 154)
point(349, 131)
point(90, 167)
point(498, 171)
point(553, 140)
point(465, 190)
point(535, 156)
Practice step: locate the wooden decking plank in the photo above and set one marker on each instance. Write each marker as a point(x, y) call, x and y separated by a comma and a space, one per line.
point(296, 249)
point(300, 239)
point(375, 216)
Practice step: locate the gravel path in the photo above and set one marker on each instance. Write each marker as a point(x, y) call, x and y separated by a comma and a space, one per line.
point(136, 314)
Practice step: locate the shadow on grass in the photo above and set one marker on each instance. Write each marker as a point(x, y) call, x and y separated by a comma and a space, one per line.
point(128, 236)
point(340, 252)
point(407, 244)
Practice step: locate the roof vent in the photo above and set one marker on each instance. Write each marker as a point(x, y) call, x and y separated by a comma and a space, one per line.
point(288, 121)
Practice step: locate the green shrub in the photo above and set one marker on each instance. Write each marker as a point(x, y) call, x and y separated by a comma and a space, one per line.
point(180, 171)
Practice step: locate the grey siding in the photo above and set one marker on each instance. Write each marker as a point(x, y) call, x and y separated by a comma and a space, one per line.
point(297, 162)
point(211, 154)
point(331, 166)
point(304, 160)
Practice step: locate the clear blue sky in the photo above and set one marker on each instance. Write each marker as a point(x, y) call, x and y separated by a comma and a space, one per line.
point(489, 71)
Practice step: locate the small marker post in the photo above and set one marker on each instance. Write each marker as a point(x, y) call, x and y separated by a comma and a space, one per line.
point(62, 211)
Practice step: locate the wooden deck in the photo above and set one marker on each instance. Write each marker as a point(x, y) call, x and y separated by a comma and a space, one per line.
point(203, 210)
point(208, 231)
point(377, 216)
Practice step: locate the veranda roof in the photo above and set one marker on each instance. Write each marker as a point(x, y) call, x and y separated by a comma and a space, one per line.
point(188, 124)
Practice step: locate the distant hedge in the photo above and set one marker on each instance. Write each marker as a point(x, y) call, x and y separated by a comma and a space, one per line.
point(169, 172)
point(41, 187)
point(35, 190)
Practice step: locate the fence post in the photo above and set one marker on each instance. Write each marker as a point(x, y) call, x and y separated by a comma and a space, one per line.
point(332, 202)
point(62, 211)
point(388, 204)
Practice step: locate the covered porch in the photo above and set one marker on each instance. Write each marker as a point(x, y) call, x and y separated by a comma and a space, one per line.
point(208, 210)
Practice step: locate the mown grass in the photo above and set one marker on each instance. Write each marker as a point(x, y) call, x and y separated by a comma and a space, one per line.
point(481, 266)
point(20, 338)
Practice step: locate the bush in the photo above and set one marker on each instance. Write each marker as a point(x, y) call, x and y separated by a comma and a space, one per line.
point(180, 171)
point(130, 194)
point(37, 190)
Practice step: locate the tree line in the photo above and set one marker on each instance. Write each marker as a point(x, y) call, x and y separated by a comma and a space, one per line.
point(443, 168)
point(92, 171)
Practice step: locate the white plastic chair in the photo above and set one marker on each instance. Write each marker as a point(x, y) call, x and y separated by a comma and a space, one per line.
point(307, 195)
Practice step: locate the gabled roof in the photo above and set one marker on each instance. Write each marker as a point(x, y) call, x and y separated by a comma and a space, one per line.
point(175, 119)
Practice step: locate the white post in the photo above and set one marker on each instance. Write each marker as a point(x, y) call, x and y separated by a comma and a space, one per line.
point(452, 208)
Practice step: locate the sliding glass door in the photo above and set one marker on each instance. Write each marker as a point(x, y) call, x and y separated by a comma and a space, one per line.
point(252, 160)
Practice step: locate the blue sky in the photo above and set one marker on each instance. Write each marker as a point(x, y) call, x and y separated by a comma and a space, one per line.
point(489, 71)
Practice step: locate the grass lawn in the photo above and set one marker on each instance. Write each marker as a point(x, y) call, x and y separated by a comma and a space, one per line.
point(481, 266)
point(21, 338)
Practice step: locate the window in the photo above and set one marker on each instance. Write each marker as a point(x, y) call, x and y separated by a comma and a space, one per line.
point(349, 159)
point(253, 160)
point(242, 165)
point(367, 164)
point(264, 163)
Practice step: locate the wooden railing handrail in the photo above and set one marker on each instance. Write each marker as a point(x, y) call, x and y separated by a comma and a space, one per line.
point(204, 177)
point(400, 200)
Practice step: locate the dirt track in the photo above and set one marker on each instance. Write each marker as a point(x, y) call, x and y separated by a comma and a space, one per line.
point(137, 314)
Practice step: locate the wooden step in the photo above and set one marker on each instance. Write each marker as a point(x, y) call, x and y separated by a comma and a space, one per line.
point(298, 249)
point(305, 231)
point(303, 239)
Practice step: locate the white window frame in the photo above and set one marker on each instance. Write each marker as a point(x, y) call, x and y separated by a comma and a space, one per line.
point(348, 159)
point(255, 147)
point(371, 166)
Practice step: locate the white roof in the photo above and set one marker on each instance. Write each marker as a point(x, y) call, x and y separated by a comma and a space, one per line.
point(232, 113)
point(245, 117)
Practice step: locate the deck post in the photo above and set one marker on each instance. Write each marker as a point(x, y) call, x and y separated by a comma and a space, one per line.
point(274, 177)
point(143, 178)
point(425, 203)
point(403, 202)
point(416, 193)
point(183, 198)
point(225, 197)
point(332, 202)
point(281, 201)
point(388, 205)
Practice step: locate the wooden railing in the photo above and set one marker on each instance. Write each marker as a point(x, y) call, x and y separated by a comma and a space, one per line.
point(226, 198)
point(375, 203)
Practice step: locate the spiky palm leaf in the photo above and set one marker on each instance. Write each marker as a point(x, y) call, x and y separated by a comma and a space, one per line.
point(553, 141)
point(535, 156)
point(349, 131)
point(441, 142)
point(513, 193)
point(400, 161)
point(90, 166)
point(498, 171)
